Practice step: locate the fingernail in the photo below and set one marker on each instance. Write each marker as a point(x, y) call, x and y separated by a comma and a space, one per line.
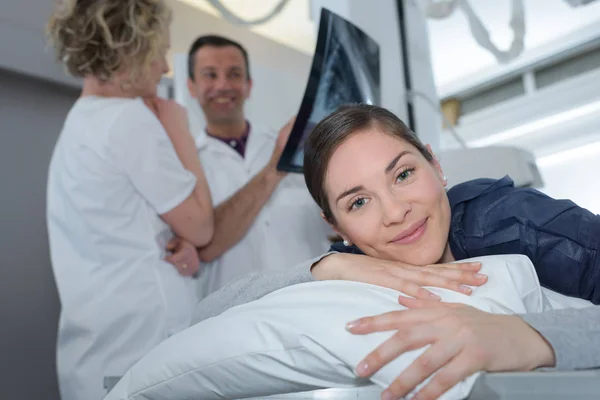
point(362, 369)
point(434, 296)
point(480, 276)
point(465, 289)
point(352, 325)
point(387, 395)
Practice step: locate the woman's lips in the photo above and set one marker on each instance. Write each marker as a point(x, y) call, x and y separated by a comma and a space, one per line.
point(412, 233)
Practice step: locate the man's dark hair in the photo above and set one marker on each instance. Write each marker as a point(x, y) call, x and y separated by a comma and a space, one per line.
point(216, 41)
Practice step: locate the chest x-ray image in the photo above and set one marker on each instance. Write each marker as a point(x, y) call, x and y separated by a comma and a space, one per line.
point(345, 69)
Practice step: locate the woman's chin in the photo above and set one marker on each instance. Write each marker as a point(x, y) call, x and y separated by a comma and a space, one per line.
point(418, 258)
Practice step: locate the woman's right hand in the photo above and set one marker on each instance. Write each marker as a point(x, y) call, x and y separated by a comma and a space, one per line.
point(408, 279)
point(172, 115)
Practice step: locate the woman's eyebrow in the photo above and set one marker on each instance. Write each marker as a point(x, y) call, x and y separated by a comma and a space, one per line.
point(393, 163)
point(349, 192)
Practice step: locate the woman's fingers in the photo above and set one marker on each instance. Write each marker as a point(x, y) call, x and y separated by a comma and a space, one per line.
point(462, 266)
point(466, 273)
point(423, 277)
point(434, 358)
point(459, 368)
point(403, 283)
point(414, 289)
point(184, 258)
point(411, 338)
point(472, 278)
point(174, 244)
point(409, 302)
point(393, 320)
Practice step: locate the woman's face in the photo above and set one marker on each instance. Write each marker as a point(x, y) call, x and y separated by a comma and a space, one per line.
point(387, 199)
point(158, 67)
point(147, 83)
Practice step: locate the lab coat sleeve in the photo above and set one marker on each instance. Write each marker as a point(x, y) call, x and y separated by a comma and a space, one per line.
point(561, 239)
point(253, 287)
point(142, 149)
point(574, 335)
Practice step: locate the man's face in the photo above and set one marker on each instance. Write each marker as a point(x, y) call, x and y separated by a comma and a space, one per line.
point(220, 83)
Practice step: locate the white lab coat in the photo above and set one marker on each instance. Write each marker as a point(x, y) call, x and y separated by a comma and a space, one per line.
point(289, 228)
point(113, 171)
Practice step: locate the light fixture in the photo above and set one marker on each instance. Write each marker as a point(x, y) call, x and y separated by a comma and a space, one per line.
point(537, 125)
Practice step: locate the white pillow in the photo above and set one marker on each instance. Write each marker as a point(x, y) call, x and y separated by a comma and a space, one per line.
point(295, 339)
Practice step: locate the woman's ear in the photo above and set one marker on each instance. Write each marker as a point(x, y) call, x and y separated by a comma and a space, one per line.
point(437, 166)
point(340, 235)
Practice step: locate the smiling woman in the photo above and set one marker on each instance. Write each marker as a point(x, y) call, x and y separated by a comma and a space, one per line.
point(383, 191)
point(378, 186)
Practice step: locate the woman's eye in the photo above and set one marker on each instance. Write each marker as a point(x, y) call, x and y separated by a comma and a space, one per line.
point(405, 174)
point(358, 203)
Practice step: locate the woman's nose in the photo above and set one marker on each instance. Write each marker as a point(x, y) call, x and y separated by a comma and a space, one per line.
point(394, 210)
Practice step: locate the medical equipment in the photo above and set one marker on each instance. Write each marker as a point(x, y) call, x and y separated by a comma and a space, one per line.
point(582, 385)
point(345, 70)
point(464, 164)
point(443, 9)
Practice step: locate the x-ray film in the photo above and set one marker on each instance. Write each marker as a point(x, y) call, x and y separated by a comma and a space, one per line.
point(345, 70)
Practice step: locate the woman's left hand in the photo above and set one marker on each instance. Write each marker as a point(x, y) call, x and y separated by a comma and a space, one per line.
point(184, 256)
point(463, 340)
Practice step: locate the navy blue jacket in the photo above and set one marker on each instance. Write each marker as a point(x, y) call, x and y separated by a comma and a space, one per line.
point(493, 217)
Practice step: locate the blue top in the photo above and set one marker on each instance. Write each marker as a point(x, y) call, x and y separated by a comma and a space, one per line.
point(491, 217)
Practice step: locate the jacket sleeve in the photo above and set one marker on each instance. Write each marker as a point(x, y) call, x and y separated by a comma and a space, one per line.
point(252, 287)
point(573, 334)
point(561, 239)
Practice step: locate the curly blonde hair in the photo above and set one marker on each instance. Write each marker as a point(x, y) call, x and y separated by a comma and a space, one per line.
point(103, 37)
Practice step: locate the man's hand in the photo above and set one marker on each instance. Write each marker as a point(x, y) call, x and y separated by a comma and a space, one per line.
point(282, 138)
point(184, 256)
point(408, 279)
point(462, 339)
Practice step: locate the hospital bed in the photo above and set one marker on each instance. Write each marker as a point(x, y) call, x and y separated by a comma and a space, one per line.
point(291, 344)
point(498, 386)
point(493, 386)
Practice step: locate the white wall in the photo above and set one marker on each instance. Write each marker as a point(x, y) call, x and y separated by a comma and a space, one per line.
point(23, 47)
point(573, 174)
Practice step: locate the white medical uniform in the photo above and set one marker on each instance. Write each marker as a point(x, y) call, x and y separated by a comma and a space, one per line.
point(288, 229)
point(113, 171)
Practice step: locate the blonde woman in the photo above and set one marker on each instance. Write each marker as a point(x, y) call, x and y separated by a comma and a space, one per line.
point(124, 175)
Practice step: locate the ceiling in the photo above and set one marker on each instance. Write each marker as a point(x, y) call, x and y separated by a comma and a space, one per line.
point(455, 54)
point(545, 21)
point(292, 27)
